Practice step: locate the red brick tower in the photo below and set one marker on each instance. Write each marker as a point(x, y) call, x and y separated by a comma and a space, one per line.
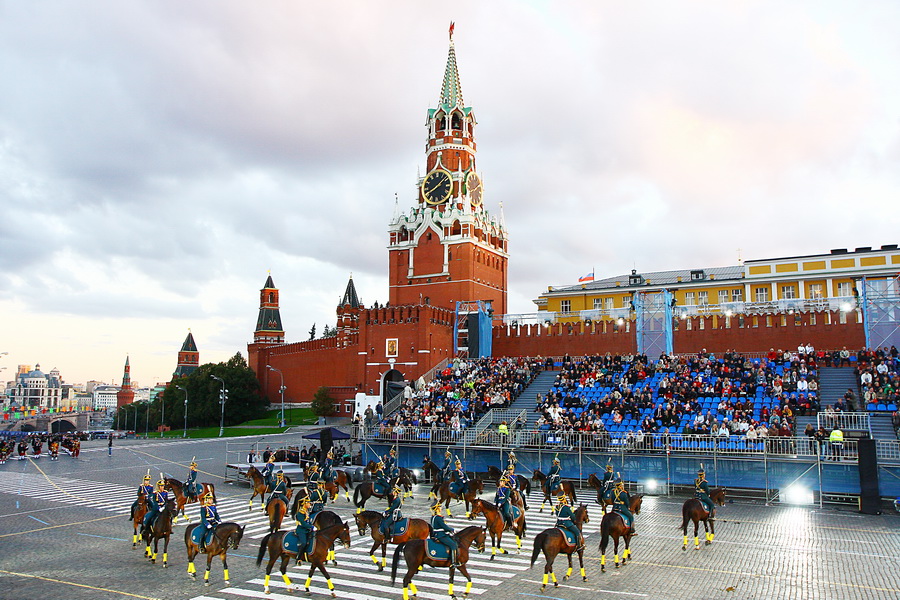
point(348, 315)
point(448, 248)
point(126, 394)
point(268, 325)
point(188, 358)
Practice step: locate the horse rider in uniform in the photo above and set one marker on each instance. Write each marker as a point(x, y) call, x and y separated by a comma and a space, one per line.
point(380, 478)
point(460, 479)
point(156, 502)
point(622, 503)
point(314, 475)
point(393, 513)
point(447, 469)
point(553, 477)
point(191, 488)
point(328, 467)
point(304, 529)
point(565, 519)
point(701, 492)
point(390, 464)
point(315, 491)
point(280, 490)
point(609, 480)
point(145, 490)
point(502, 500)
point(443, 533)
point(209, 519)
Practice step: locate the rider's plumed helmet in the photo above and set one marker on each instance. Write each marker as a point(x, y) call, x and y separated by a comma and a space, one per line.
point(436, 508)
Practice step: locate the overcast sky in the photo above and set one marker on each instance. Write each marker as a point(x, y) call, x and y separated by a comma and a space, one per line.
point(158, 158)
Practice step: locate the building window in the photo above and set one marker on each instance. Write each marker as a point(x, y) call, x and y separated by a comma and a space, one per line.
point(565, 306)
point(690, 298)
point(737, 295)
point(788, 292)
point(845, 288)
point(815, 290)
point(610, 303)
point(598, 303)
point(723, 296)
point(762, 294)
point(704, 298)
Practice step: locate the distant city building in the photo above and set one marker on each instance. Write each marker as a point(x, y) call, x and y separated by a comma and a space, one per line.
point(90, 385)
point(35, 389)
point(104, 397)
point(188, 358)
point(144, 394)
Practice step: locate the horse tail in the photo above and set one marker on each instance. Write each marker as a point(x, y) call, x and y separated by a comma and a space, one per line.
point(356, 496)
point(604, 534)
point(574, 497)
point(685, 516)
point(263, 545)
point(538, 545)
point(395, 561)
point(527, 486)
point(349, 479)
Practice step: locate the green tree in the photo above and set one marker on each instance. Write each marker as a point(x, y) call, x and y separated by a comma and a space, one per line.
point(322, 403)
point(312, 332)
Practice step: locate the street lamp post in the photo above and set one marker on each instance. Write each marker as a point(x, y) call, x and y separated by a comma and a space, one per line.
point(147, 422)
point(162, 419)
point(223, 396)
point(280, 389)
point(184, 389)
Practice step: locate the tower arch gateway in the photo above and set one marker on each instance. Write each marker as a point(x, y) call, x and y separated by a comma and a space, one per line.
point(449, 247)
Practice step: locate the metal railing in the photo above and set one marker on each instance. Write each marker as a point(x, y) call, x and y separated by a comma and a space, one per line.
point(495, 416)
point(852, 421)
point(563, 441)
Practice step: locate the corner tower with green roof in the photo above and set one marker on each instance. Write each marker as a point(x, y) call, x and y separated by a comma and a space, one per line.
point(268, 324)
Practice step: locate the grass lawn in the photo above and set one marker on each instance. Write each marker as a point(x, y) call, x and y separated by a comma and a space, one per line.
point(264, 426)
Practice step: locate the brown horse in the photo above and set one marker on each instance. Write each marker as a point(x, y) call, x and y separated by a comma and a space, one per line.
point(137, 519)
point(474, 487)
point(692, 510)
point(496, 525)
point(552, 542)
point(160, 529)
point(322, 520)
point(432, 474)
point(524, 484)
point(225, 536)
point(406, 479)
point(181, 499)
point(566, 488)
point(276, 508)
point(613, 525)
point(325, 538)
point(341, 481)
point(416, 555)
point(258, 483)
point(366, 490)
point(418, 529)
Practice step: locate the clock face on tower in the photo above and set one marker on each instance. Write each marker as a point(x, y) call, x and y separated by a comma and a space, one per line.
point(437, 187)
point(474, 188)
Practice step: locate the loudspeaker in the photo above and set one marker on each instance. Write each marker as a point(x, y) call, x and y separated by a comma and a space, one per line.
point(325, 441)
point(869, 493)
point(474, 346)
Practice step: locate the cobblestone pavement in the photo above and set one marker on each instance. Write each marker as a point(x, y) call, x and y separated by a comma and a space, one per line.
point(64, 534)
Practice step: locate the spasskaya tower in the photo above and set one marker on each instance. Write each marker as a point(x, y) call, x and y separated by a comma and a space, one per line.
point(448, 247)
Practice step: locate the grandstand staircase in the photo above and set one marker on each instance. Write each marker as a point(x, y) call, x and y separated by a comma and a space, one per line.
point(526, 400)
point(834, 382)
point(880, 424)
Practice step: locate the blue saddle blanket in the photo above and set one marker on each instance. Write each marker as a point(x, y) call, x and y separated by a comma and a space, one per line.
point(458, 487)
point(400, 527)
point(436, 550)
point(570, 538)
point(516, 512)
point(198, 533)
point(379, 488)
point(290, 541)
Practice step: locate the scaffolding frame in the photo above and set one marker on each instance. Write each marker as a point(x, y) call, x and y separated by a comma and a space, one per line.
point(653, 320)
point(881, 311)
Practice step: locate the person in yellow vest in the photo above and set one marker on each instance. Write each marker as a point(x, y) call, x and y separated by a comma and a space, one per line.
point(502, 429)
point(836, 439)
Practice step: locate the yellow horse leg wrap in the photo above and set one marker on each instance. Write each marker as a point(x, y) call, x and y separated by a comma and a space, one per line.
point(468, 586)
point(449, 514)
point(569, 572)
point(582, 573)
point(206, 575)
point(493, 550)
point(330, 585)
point(545, 578)
point(374, 560)
point(358, 510)
point(603, 560)
point(165, 557)
point(405, 593)
point(287, 580)
point(383, 561)
point(696, 540)
point(617, 559)
point(627, 552)
point(226, 574)
point(308, 581)
point(542, 505)
point(191, 568)
point(134, 539)
point(685, 540)
point(154, 555)
point(450, 588)
point(266, 583)
point(413, 588)
point(553, 576)
point(518, 542)
point(711, 536)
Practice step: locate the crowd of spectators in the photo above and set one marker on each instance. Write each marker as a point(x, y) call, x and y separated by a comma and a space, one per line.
point(877, 375)
point(698, 394)
point(459, 394)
